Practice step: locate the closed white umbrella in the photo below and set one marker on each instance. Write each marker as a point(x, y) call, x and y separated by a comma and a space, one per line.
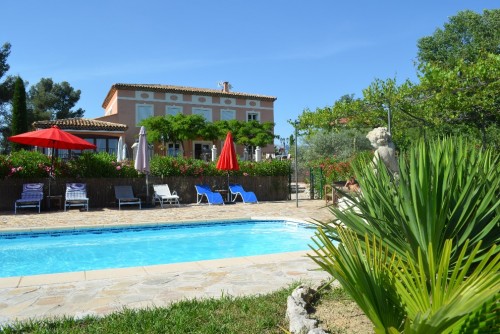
point(124, 152)
point(142, 157)
point(119, 150)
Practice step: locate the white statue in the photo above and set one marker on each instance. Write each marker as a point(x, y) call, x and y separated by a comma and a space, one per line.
point(380, 139)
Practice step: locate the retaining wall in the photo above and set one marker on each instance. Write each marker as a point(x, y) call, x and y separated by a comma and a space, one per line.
point(101, 190)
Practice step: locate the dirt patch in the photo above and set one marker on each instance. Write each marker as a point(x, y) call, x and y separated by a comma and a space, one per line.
point(337, 313)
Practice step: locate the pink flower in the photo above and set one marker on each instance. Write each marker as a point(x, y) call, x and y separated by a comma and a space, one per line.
point(118, 167)
point(245, 174)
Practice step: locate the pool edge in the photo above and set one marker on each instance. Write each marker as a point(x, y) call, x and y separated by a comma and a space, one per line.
point(62, 278)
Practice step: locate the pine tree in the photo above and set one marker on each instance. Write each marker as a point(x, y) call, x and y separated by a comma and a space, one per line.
point(19, 111)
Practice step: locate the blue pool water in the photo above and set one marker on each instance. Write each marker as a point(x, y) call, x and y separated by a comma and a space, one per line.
point(56, 251)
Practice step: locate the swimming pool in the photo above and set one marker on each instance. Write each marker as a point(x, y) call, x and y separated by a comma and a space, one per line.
point(58, 251)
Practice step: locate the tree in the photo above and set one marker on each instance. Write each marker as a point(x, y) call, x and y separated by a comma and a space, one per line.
point(330, 119)
point(463, 39)
point(19, 111)
point(251, 133)
point(341, 144)
point(175, 129)
point(51, 100)
point(6, 93)
point(465, 96)
point(179, 128)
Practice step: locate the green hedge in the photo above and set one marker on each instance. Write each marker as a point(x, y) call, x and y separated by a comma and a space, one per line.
point(33, 164)
point(169, 166)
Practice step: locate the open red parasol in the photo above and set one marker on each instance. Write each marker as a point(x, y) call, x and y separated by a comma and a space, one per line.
point(52, 138)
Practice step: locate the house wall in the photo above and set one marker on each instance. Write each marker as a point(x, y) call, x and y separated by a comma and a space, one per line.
point(122, 108)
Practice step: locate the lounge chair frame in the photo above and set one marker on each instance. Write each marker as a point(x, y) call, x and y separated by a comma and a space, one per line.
point(125, 196)
point(203, 190)
point(246, 196)
point(163, 195)
point(31, 197)
point(76, 195)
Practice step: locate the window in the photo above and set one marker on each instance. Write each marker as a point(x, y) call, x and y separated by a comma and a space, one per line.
point(174, 150)
point(253, 116)
point(202, 151)
point(143, 111)
point(101, 144)
point(227, 115)
point(112, 145)
point(205, 112)
point(173, 110)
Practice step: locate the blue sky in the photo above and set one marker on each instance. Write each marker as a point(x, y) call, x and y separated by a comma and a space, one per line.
point(306, 53)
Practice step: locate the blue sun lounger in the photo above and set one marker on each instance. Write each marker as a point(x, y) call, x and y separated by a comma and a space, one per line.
point(203, 190)
point(246, 196)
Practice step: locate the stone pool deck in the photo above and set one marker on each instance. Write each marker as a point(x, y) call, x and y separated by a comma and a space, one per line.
point(101, 292)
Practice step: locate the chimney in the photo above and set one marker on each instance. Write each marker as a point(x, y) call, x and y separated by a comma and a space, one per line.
point(225, 86)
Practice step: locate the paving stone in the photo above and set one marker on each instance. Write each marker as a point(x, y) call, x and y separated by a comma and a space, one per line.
point(96, 294)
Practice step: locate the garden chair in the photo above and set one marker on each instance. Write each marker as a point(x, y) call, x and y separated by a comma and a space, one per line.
point(162, 194)
point(237, 190)
point(203, 190)
point(31, 197)
point(125, 196)
point(76, 195)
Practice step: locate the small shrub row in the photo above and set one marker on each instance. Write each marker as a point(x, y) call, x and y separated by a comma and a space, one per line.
point(170, 166)
point(33, 164)
point(335, 169)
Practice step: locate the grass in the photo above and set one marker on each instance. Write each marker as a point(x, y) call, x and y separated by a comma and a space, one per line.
point(260, 314)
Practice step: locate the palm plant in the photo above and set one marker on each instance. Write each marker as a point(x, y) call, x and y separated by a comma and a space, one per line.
point(399, 297)
point(440, 217)
point(446, 190)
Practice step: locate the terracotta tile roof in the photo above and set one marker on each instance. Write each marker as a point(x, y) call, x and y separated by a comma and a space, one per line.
point(181, 90)
point(81, 124)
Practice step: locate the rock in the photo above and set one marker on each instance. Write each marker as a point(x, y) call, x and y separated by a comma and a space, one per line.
point(297, 314)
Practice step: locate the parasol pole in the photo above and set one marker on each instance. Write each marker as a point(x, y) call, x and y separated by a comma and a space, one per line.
point(227, 196)
point(51, 172)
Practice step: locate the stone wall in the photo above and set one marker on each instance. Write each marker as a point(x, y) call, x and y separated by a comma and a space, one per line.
point(101, 190)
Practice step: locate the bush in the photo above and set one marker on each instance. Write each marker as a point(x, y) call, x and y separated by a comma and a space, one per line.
point(25, 164)
point(170, 166)
point(335, 169)
point(32, 164)
point(100, 164)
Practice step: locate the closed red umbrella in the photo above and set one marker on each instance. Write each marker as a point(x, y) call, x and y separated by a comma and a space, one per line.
point(228, 160)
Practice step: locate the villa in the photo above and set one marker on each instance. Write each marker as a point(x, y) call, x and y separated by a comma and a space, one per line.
point(126, 105)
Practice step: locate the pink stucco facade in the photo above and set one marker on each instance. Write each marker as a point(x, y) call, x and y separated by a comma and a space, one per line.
point(128, 104)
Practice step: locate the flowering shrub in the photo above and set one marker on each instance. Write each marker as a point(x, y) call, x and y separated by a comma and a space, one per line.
point(334, 169)
point(265, 168)
point(33, 164)
point(24, 164)
point(100, 164)
point(170, 166)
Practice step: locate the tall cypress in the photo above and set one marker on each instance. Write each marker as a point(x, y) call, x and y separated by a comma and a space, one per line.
point(19, 111)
